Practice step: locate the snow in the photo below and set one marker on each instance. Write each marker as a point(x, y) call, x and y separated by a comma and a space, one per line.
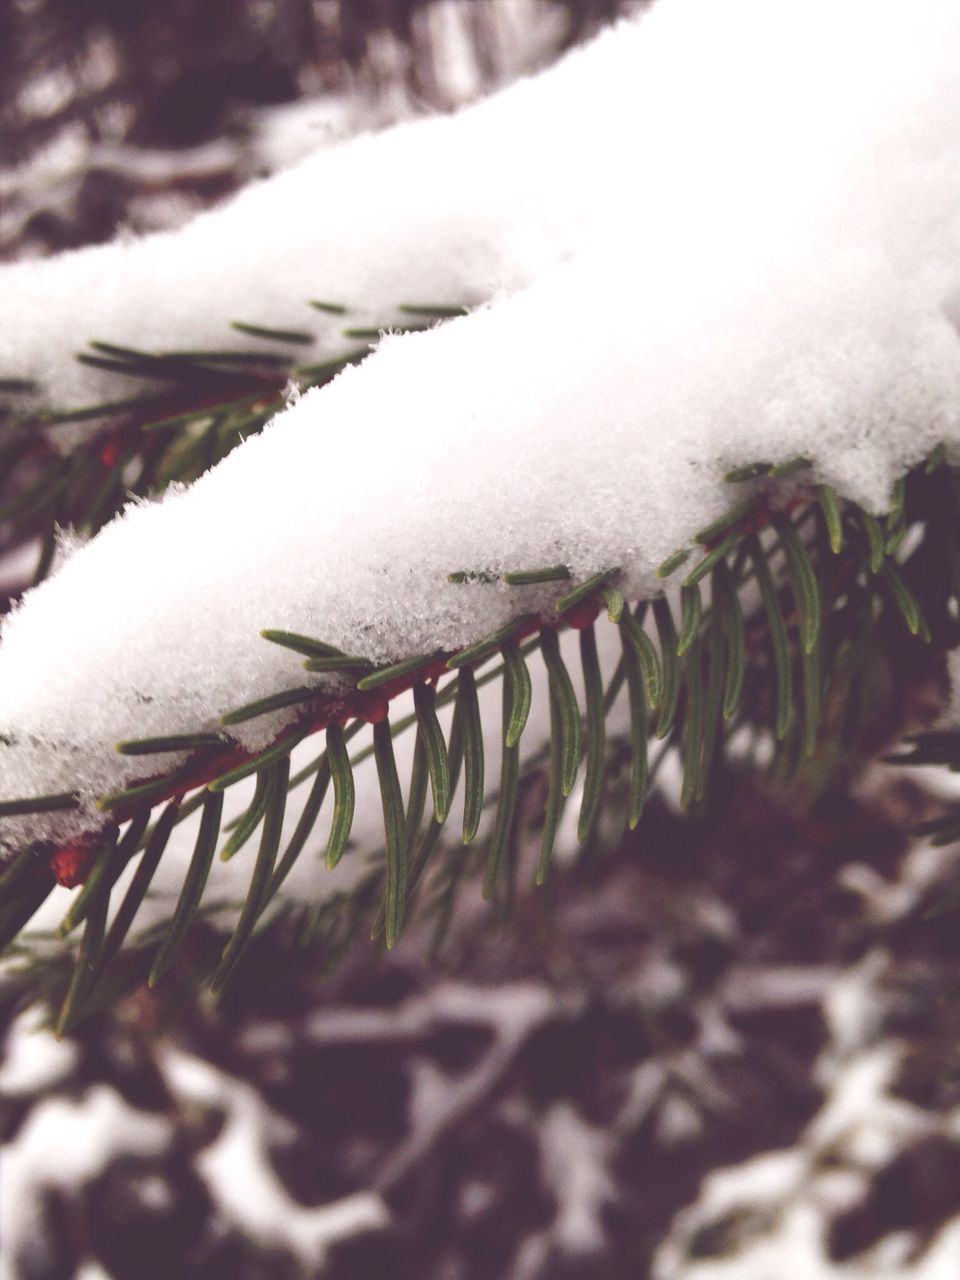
point(239, 1177)
point(777, 1206)
point(925, 866)
point(34, 1059)
point(444, 209)
point(780, 1205)
point(61, 1144)
point(92, 1271)
point(575, 1158)
point(852, 1008)
point(654, 126)
point(697, 263)
point(441, 1100)
point(512, 1009)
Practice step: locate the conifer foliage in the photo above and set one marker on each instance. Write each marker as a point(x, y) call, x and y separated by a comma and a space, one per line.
point(771, 637)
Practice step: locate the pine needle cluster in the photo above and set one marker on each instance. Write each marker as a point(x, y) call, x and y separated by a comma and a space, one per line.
point(787, 612)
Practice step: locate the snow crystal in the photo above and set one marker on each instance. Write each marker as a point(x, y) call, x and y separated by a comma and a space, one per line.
point(757, 270)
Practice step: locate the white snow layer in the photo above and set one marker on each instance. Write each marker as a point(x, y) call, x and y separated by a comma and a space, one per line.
point(62, 1143)
point(738, 228)
point(34, 1060)
point(241, 1182)
point(446, 209)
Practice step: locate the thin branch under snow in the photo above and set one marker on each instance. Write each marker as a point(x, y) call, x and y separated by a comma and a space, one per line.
point(756, 272)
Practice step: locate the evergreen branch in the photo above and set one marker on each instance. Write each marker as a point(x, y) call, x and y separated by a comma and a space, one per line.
point(693, 679)
point(201, 405)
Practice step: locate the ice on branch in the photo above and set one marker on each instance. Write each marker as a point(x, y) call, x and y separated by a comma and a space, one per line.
point(738, 232)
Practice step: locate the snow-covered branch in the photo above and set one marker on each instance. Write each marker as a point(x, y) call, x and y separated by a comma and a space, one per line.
point(717, 237)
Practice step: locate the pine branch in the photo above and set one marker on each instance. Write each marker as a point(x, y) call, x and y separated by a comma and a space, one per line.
point(786, 603)
point(188, 410)
point(791, 663)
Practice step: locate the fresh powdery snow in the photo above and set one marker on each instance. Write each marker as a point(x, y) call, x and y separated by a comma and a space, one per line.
point(698, 130)
point(719, 234)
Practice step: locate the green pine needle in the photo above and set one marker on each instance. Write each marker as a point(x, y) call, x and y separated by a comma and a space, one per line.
point(394, 831)
point(435, 748)
point(468, 711)
point(344, 795)
point(521, 690)
point(193, 886)
point(561, 689)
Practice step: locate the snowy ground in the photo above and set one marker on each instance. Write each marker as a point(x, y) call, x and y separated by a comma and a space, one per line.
point(730, 1055)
